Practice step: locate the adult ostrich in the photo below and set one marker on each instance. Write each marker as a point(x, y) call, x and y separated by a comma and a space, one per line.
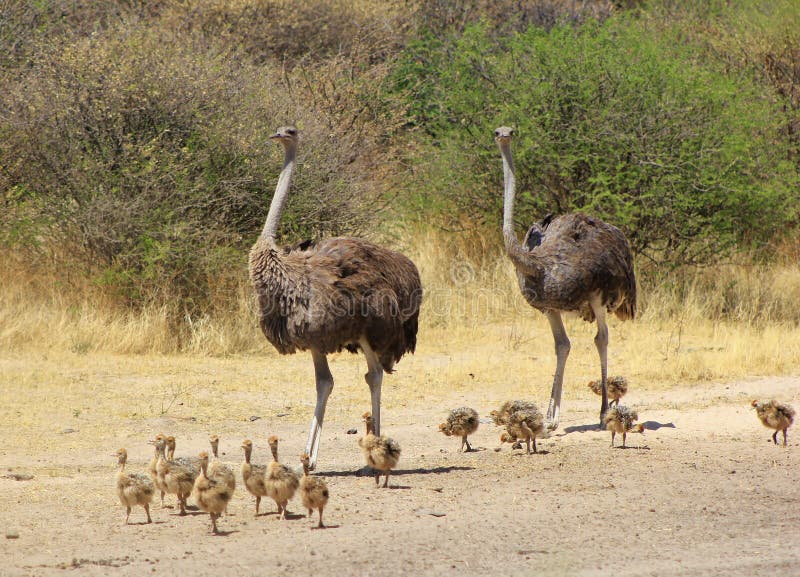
point(339, 293)
point(571, 263)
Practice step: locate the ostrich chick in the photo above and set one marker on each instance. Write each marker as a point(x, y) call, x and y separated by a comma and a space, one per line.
point(503, 414)
point(461, 422)
point(313, 491)
point(526, 423)
point(133, 488)
point(281, 481)
point(621, 419)
point(381, 453)
point(219, 471)
point(616, 387)
point(177, 478)
point(211, 493)
point(775, 415)
point(254, 476)
point(154, 472)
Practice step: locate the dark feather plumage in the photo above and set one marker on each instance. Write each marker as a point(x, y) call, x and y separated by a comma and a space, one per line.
point(577, 256)
point(330, 294)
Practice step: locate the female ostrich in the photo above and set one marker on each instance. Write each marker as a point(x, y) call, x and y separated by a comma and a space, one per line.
point(339, 293)
point(572, 263)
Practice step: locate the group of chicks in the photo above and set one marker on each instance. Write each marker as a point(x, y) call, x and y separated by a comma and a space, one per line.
point(524, 422)
point(212, 484)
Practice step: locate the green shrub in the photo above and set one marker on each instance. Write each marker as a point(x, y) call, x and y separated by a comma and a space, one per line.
point(611, 120)
point(147, 155)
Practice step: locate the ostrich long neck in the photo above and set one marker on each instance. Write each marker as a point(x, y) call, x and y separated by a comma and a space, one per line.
point(281, 194)
point(524, 261)
point(509, 236)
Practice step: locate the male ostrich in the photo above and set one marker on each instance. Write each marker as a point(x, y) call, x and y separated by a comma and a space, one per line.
point(338, 293)
point(572, 263)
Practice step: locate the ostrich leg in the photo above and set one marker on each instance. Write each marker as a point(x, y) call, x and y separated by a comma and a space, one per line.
point(374, 378)
point(324, 380)
point(601, 342)
point(562, 352)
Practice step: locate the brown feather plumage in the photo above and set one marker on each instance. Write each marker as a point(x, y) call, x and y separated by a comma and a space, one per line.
point(331, 294)
point(775, 415)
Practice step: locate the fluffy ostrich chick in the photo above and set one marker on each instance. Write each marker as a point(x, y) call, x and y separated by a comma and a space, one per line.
point(616, 387)
point(216, 469)
point(211, 493)
point(381, 452)
point(177, 478)
point(462, 423)
point(133, 488)
point(621, 419)
point(775, 415)
point(154, 472)
point(254, 476)
point(525, 423)
point(502, 416)
point(281, 481)
point(313, 491)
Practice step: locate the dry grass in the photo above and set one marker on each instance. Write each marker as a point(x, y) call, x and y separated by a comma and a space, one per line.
point(718, 324)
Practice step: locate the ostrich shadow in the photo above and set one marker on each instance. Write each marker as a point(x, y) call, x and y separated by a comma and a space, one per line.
point(368, 472)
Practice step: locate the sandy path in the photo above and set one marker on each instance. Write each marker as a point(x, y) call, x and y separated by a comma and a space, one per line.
point(701, 493)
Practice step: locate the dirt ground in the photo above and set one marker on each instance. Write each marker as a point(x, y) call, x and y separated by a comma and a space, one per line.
point(702, 492)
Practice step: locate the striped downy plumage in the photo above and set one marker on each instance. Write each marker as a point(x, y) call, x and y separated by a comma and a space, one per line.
point(217, 469)
point(621, 419)
point(133, 488)
point(775, 415)
point(524, 423)
point(154, 473)
point(461, 422)
point(381, 452)
point(212, 493)
point(281, 481)
point(335, 294)
point(176, 477)
point(254, 476)
point(570, 263)
point(617, 388)
point(313, 491)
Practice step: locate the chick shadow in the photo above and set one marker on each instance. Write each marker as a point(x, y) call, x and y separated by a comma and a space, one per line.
point(188, 513)
point(224, 533)
point(638, 447)
point(648, 426)
point(288, 517)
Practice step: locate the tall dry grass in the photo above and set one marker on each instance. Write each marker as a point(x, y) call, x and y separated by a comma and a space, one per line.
point(727, 321)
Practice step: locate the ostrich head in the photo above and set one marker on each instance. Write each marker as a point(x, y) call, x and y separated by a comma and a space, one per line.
point(503, 134)
point(122, 456)
point(286, 135)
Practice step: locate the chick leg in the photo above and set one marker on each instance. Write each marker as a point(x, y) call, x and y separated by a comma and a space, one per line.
point(613, 433)
point(258, 502)
point(214, 523)
point(128, 516)
point(466, 442)
point(386, 482)
point(562, 352)
point(624, 434)
point(775, 437)
point(147, 511)
point(784, 437)
point(320, 525)
point(324, 378)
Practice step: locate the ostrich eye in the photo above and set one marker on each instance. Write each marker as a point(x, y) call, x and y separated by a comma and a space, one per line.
point(291, 131)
